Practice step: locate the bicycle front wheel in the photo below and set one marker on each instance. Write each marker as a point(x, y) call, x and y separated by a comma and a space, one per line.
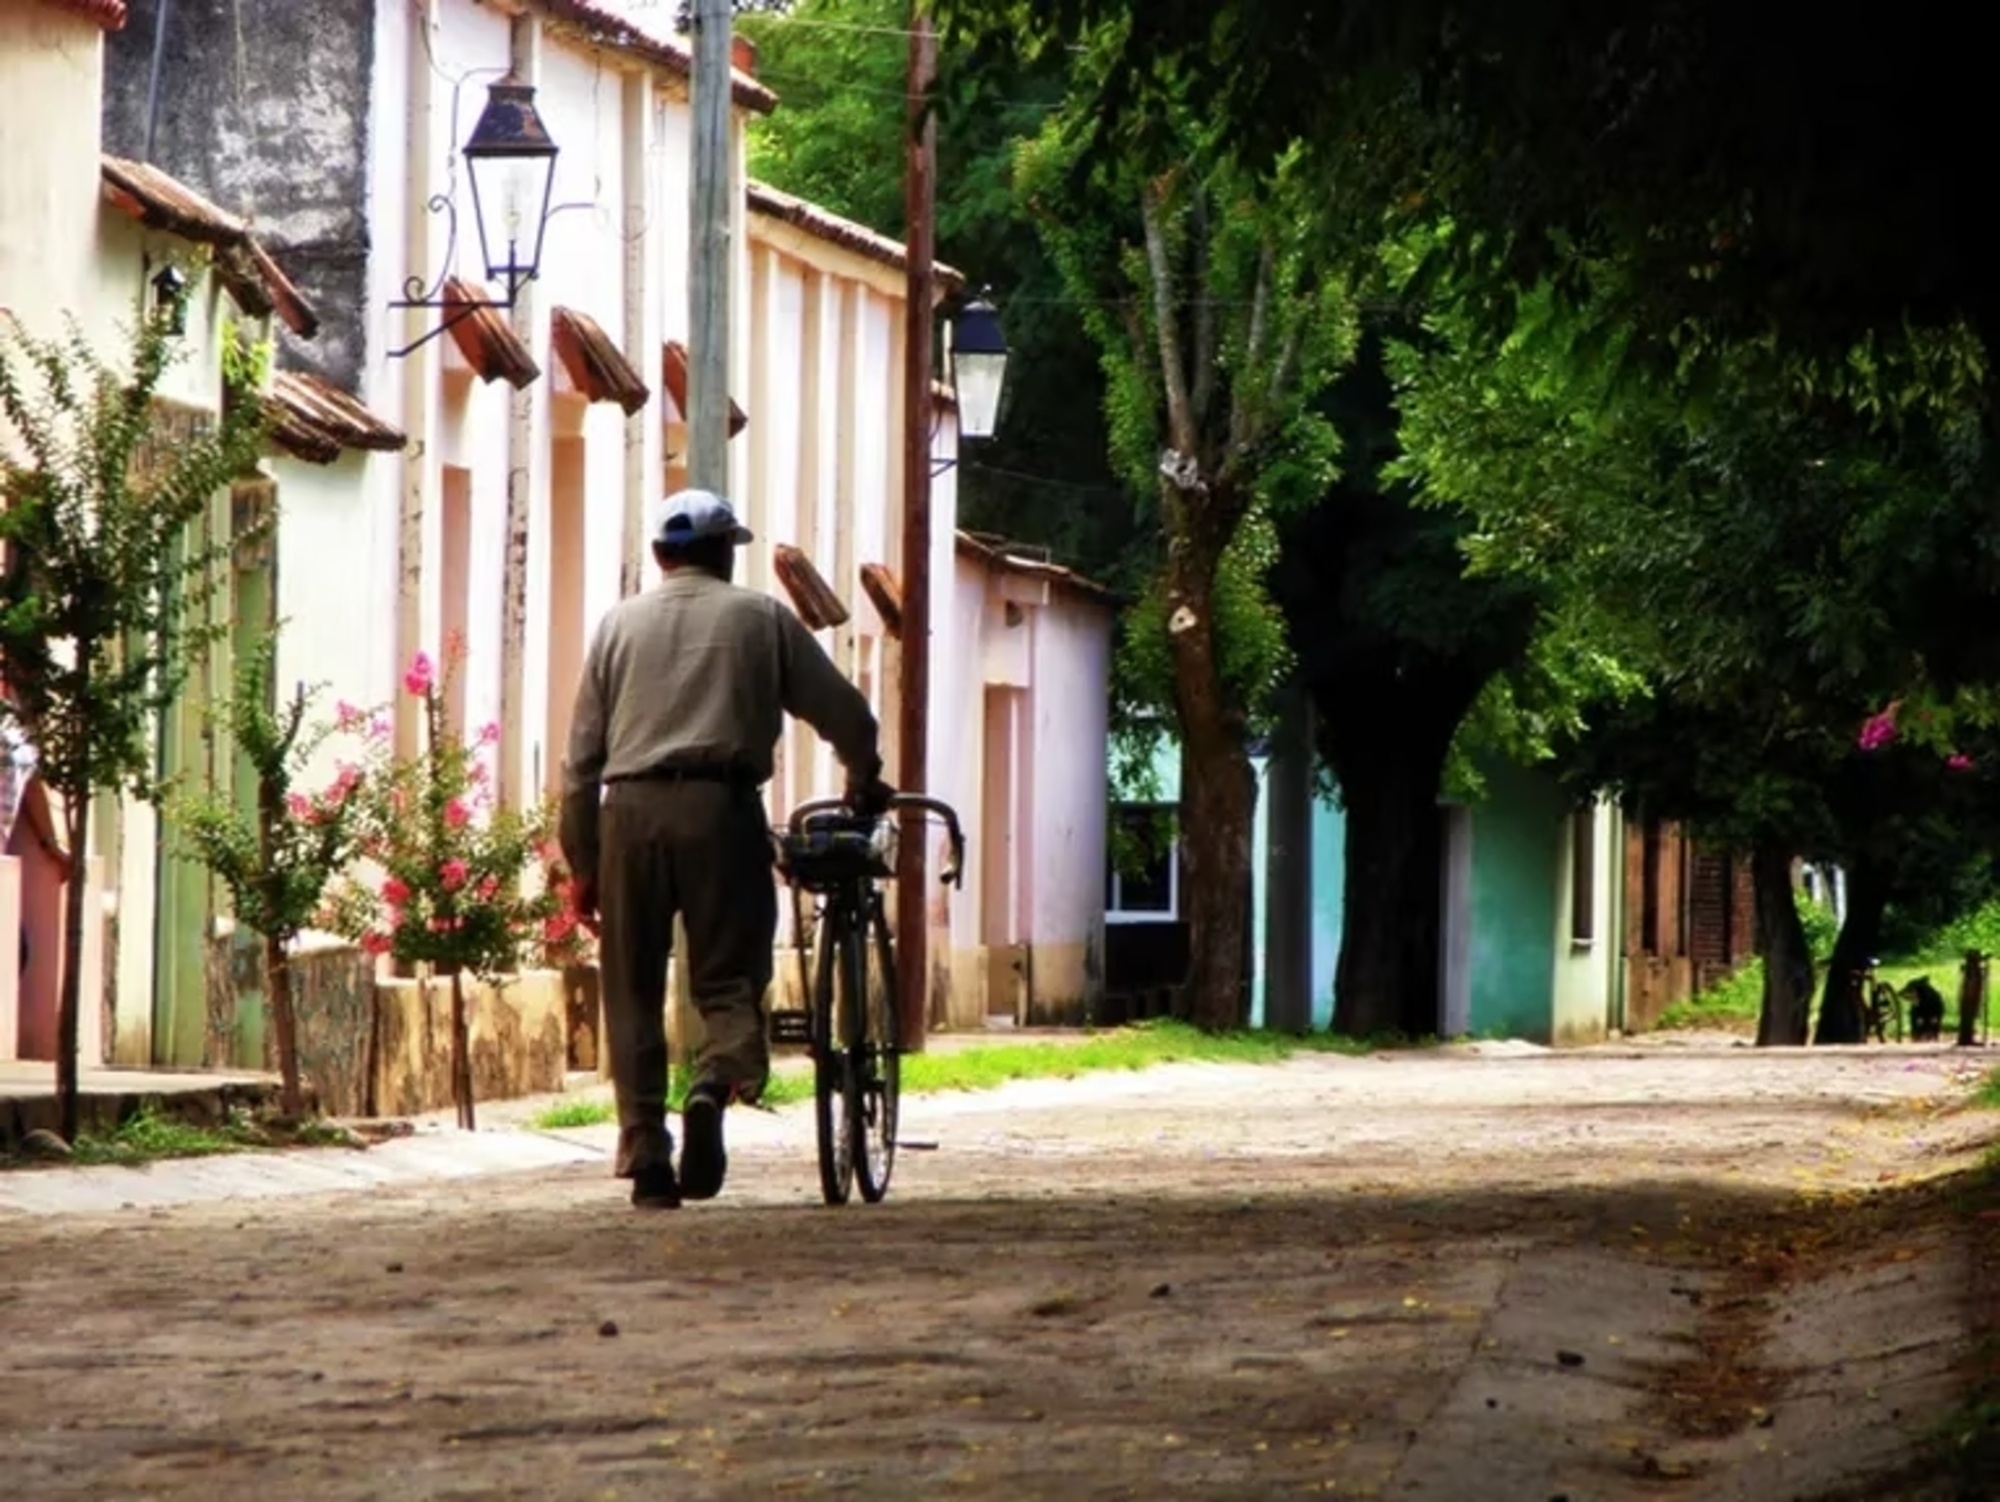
point(832, 1065)
point(878, 1061)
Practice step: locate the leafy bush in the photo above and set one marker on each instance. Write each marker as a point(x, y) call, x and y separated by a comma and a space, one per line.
point(1821, 927)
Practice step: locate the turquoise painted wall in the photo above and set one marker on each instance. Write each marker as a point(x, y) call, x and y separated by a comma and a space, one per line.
point(1329, 882)
point(1329, 857)
point(1329, 878)
point(1516, 867)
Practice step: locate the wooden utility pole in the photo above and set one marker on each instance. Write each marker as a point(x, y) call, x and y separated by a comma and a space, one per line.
point(920, 255)
point(708, 249)
point(710, 197)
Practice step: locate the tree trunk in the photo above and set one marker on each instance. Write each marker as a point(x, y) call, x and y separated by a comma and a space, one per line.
point(284, 1022)
point(1785, 1019)
point(69, 1005)
point(1217, 799)
point(1387, 978)
point(1840, 1016)
point(461, 1053)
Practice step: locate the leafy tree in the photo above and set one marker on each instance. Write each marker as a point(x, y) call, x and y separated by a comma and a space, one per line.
point(1395, 644)
point(106, 574)
point(1749, 183)
point(1776, 548)
point(1217, 330)
point(277, 862)
point(842, 66)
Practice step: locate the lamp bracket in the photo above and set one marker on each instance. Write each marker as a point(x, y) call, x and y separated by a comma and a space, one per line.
point(416, 294)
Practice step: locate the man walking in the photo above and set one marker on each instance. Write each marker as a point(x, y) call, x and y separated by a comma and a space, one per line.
point(683, 698)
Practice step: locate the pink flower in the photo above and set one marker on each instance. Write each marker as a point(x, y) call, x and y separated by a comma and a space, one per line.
point(421, 676)
point(1958, 761)
point(1880, 729)
point(376, 944)
point(346, 715)
point(379, 729)
point(395, 893)
point(456, 814)
point(453, 874)
point(489, 889)
point(298, 805)
point(489, 733)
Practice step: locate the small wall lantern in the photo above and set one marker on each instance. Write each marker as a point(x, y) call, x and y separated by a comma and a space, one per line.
point(170, 298)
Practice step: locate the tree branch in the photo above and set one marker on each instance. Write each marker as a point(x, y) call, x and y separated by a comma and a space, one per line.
point(1202, 398)
point(1180, 418)
point(1248, 399)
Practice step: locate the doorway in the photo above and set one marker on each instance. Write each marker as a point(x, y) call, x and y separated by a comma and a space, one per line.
point(566, 604)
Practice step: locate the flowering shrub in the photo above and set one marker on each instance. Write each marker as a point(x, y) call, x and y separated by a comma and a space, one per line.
point(447, 890)
point(278, 859)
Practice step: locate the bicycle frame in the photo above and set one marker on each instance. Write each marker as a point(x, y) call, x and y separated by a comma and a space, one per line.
point(833, 851)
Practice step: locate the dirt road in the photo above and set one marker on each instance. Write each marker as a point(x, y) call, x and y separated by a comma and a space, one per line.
point(1443, 1275)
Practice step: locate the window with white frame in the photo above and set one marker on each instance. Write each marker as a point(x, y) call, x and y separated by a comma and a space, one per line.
point(1142, 878)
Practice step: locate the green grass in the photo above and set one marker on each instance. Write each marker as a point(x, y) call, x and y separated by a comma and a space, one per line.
point(1987, 1097)
point(149, 1137)
point(1734, 1004)
point(1141, 1046)
point(1728, 1004)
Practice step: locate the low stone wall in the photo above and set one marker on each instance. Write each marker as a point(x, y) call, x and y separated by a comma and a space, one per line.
point(519, 1037)
point(383, 1048)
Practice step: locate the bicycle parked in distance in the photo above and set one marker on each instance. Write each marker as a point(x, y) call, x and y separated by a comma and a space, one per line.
point(852, 1023)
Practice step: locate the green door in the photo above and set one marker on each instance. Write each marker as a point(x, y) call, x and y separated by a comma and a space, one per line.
point(180, 982)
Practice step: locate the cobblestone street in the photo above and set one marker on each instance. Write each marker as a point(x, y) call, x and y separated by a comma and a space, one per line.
point(1458, 1273)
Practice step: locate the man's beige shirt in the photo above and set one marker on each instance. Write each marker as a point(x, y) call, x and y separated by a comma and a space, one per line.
point(697, 672)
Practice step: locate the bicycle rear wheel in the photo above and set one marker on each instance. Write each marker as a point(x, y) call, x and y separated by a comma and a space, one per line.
point(833, 1089)
point(878, 1061)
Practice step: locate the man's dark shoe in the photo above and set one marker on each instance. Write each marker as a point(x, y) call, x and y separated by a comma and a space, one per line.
point(656, 1189)
point(703, 1162)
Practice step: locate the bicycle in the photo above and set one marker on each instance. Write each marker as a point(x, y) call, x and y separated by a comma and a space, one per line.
point(852, 1024)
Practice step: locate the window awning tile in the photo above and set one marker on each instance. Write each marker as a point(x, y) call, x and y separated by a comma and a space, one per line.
point(596, 366)
point(485, 338)
point(314, 420)
point(817, 604)
point(674, 376)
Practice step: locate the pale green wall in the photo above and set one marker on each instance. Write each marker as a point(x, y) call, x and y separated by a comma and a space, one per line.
point(1516, 843)
point(1586, 975)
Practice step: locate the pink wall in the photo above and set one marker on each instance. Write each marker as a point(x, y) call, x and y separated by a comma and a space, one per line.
point(1023, 732)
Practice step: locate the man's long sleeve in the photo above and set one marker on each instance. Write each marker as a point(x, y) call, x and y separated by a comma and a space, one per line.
point(583, 765)
point(814, 691)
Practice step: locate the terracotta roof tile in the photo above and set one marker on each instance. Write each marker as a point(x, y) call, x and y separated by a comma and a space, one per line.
point(596, 366)
point(257, 282)
point(674, 376)
point(602, 28)
point(488, 342)
point(882, 587)
point(825, 225)
point(818, 606)
point(110, 14)
point(317, 421)
point(997, 553)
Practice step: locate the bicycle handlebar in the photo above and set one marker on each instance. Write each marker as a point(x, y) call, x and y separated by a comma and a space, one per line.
point(953, 871)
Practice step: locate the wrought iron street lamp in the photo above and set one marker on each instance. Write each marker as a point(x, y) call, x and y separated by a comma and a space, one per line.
point(510, 159)
point(978, 367)
point(977, 349)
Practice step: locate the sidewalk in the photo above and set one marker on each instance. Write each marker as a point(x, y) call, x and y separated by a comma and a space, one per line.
point(28, 1095)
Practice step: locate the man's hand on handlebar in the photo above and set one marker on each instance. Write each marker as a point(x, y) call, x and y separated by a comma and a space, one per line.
point(869, 795)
